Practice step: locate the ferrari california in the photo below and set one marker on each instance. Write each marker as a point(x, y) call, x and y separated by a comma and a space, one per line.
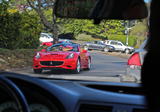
point(62, 56)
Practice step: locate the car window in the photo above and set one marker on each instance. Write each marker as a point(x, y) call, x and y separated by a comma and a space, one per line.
point(99, 42)
point(23, 31)
point(114, 43)
point(119, 44)
point(73, 64)
point(63, 47)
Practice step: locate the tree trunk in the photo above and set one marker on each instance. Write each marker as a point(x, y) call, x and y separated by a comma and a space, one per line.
point(55, 34)
point(52, 26)
point(55, 28)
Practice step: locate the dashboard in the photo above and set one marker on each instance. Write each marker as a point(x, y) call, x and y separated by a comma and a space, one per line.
point(57, 95)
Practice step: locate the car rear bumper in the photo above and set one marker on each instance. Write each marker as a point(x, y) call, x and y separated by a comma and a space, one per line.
point(52, 64)
point(134, 72)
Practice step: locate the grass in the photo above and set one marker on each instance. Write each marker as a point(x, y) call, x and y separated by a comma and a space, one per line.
point(15, 58)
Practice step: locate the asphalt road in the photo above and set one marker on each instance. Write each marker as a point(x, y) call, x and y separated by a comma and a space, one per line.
point(104, 68)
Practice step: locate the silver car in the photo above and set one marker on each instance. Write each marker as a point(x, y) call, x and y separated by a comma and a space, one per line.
point(135, 62)
point(98, 45)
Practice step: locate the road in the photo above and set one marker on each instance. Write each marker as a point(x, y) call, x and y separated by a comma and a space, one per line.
point(104, 68)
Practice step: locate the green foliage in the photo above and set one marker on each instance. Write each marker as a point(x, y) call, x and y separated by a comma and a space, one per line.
point(85, 37)
point(70, 26)
point(3, 7)
point(9, 26)
point(103, 30)
point(29, 31)
point(139, 31)
point(18, 30)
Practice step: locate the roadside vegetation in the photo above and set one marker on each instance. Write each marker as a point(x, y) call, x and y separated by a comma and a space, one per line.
point(18, 58)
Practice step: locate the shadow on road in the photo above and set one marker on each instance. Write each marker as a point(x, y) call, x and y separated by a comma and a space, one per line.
point(59, 72)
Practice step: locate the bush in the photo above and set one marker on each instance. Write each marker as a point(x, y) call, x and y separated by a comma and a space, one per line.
point(30, 31)
point(19, 30)
point(85, 37)
point(9, 30)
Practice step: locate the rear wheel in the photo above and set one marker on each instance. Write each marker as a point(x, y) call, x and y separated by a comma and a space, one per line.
point(86, 47)
point(37, 71)
point(127, 51)
point(105, 49)
point(78, 67)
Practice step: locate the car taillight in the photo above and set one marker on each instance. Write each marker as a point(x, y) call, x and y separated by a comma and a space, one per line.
point(134, 61)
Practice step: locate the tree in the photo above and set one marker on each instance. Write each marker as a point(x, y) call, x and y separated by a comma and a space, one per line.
point(30, 29)
point(103, 30)
point(18, 29)
point(140, 32)
point(8, 21)
point(74, 26)
point(39, 6)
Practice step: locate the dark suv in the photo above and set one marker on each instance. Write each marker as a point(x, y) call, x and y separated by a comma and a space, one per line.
point(98, 45)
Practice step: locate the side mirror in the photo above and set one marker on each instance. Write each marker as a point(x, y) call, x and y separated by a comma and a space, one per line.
point(43, 50)
point(84, 51)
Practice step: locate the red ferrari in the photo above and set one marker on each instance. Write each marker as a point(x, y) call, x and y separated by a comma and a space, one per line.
point(62, 55)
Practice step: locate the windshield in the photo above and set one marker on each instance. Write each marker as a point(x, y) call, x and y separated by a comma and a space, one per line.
point(87, 51)
point(63, 47)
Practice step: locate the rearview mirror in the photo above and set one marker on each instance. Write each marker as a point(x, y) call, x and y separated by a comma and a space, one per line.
point(101, 9)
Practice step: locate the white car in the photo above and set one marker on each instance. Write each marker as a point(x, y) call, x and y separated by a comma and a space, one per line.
point(45, 37)
point(119, 46)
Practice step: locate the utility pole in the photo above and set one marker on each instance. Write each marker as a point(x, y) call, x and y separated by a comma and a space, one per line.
point(127, 28)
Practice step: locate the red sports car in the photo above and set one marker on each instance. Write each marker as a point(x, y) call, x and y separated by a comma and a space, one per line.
point(62, 55)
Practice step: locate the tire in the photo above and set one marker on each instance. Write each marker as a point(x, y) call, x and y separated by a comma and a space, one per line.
point(86, 47)
point(89, 64)
point(37, 71)
point(78, 67)
point(106, 49)
point(127, 51)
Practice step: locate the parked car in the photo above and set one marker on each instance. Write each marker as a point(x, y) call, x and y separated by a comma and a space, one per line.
point(119, 46)
point(65, 40)
point(98, 45)
point(60, 41)
point(45, 37)
point(64, 56)
point(135, 62)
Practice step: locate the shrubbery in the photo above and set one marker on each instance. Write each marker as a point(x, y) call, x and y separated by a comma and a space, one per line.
point(18, 30)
